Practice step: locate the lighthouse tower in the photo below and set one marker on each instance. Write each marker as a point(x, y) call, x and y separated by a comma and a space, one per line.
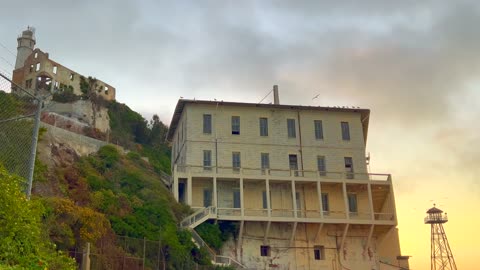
point(441, 254)
point(26, 44)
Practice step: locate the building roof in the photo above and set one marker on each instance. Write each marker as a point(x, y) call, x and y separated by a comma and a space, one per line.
point(365, 113)
point(434, 210)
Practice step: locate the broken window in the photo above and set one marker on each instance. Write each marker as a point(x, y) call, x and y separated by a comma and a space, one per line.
point(349, 167)
point(319, 252)
point(325, 204)
point(321, 166)
point(207, 160)
point(36, 55)
point(72, 76)
point(345, 131)
point(318, 129)
point(28, 83)
point(31, 68)
point(207, 124)
point(291, 128)
point(236, 161)
point(263, 126)
point(265, 251)
point(37, 68)
point(54, 69)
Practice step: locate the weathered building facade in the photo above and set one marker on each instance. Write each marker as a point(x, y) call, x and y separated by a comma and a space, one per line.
point(293, 179)
point(35, 70)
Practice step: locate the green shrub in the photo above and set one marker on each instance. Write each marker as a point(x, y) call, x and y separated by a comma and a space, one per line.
point(211, 234)
point(65, 96)
point(22, 243)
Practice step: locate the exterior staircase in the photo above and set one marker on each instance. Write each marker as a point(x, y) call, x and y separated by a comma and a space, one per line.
point(166, 179)
point(198, 218)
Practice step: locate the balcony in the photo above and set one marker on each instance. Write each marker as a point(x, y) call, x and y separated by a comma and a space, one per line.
point(286, 174)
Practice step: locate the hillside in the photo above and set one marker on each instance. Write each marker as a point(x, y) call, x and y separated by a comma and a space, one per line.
point(112, 199)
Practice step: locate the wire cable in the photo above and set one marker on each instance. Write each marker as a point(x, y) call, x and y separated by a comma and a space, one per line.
point(5, 47)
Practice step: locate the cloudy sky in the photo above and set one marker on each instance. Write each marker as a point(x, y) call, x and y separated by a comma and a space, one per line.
point(415, 64)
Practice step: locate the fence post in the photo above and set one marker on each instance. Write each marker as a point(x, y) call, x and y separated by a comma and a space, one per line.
point(144, 249)
point(33, 149)
point(86, 258)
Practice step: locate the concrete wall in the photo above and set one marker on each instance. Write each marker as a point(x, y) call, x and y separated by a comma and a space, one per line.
point(82, 145)
point(250, 144)
point(299, 254)
point(82, 111)
point(63, 75)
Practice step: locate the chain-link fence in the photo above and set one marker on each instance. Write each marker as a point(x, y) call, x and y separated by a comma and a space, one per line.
point(18, 134)
point(128, 253)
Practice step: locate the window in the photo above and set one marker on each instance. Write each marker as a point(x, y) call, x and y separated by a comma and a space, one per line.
point(56, 85)
point(291, 128)
point(236, 125)
point(236, 199)
point(236, 161)
point(72, 76)
point(36, 55)
point(352, 203)
point(207, 124)
point(28, 83)
point(265, 161)
point(207, 197)
point(31, 68)
point(318, 129)
point(345, 131)
point(265, 251)
point(349, 167)
point(264, 199)
point(293, 163)
point(207, 160)
point(319, 252)
point(325, 204)
point(54, 69)
point(37, 67)
point(322, 169)
point(263, 126)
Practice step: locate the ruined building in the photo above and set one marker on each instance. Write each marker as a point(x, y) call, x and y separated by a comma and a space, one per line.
point(292, 179)
point(35, 70)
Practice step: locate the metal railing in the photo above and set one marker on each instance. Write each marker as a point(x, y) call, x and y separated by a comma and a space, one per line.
point(310, 174)
point(216, 259)
point(198, 216)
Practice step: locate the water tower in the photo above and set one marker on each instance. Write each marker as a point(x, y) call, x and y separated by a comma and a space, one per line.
point(441, 254)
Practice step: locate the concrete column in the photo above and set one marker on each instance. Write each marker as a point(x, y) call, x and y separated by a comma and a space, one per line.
point(242, 205)
point(345, 198)
point(267, 190)
point(214, 203)
point(189, 190)
point(320, 203)
point(370, 201)
point(294, 202)
point(175, 187)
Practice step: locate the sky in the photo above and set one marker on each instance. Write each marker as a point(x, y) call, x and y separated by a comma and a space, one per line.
point(415, 64)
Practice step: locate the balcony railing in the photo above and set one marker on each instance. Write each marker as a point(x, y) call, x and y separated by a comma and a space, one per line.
point(310, 174)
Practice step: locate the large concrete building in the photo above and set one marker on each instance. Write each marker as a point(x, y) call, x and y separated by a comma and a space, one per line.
point(293, 179)
point(35, 70)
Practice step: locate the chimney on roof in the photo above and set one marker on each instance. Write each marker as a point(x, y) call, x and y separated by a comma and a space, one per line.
point(276, 99)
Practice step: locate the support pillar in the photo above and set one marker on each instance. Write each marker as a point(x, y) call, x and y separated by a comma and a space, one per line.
point(240, 239)
point(345, 199)
point(189, 190)
point(269, 205)
point(267, 230)
point(370, 233)
point(319, 231)
point(370, 201)
point(242, 205)
point(320, 203)
point(294, 230)
point(344, 236)
point(294, 200)
point(215, 195)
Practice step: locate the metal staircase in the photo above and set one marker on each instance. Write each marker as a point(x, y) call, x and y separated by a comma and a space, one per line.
point(198, 218)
